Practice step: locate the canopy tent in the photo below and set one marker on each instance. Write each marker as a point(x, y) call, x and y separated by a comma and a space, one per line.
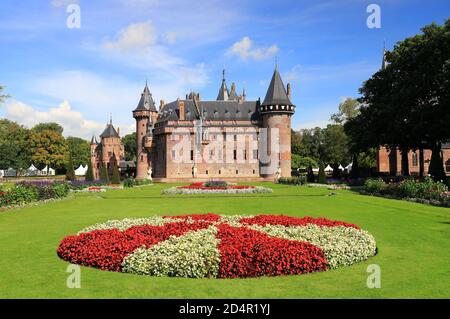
point(328, 168)
point(81, 171)
point(51, 172)
point(349, 167)
point(2, 173)
point(341, 168)
point(10, 172)
point(315, 170)
point(32, 171)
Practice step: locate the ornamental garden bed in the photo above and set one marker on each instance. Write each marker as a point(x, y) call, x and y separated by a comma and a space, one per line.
point(215, 187)
point(219, 246)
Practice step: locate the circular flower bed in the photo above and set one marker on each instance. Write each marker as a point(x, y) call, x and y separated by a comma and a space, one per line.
point(219, 246)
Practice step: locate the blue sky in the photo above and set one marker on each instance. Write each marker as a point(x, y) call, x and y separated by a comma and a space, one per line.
point(79, 76)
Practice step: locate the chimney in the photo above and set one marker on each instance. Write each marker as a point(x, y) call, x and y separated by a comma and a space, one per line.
point(181, 110)
point(161, 105)
point(289, 90)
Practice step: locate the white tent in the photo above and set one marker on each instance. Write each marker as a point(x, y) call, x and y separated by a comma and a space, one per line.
point(81, 171)
point(43, 172)
point(2, 173)
point(315, 170)
point(32, 171)
point(341, 168)
point(328, 169)
point(51, 172)
point(10, 172)
point(349, 167)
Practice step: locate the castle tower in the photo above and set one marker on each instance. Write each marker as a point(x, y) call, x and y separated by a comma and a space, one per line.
point(224, 94)
point(145, 115)
point(276, 112)
point(94, 145)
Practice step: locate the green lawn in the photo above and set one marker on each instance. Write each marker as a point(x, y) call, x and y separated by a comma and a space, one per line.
point(413, 246)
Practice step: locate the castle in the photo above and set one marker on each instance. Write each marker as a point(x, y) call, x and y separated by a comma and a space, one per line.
point(229, 138)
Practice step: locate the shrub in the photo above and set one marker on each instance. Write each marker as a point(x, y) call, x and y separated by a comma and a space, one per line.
point(310, 176)
point(104, 173)
point(215, 184)
point(374, 186)
point(129, 182)
point(296, 180)
point(89, 173)
point(140, 182)
point(70, 173)
point(115, 179)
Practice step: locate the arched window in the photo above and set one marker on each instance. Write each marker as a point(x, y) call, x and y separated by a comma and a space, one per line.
point(415, 161)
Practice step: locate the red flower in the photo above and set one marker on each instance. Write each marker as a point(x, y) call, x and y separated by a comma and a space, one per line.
point(263, 220)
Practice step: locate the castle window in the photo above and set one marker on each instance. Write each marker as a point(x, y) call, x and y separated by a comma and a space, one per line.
point(254, 172)
point(174, 153)
point(415, 161)
point(220, 172)
point(235, 138)
point(237, 172)
point(245, 154)
point(192, 155)
point(207, 172)
point(255, 154)
point(235, 154)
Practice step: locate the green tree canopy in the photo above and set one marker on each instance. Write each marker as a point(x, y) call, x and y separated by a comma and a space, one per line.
point(348, 109)
point(303, 162)
point(80, 150)
point(406, 103)
point(129, 143)
point(49, 147)
point(3, 97)
point(51, 126)
point(14, 145)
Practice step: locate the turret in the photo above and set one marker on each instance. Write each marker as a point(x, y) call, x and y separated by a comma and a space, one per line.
point(276, 112)
point(145, 114)
point(224, 94)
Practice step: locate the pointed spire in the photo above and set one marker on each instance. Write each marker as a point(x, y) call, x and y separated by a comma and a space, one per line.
point(146, 102)
point(223, 91)
point(94, 140)
point(384, 62)
point(276, 93)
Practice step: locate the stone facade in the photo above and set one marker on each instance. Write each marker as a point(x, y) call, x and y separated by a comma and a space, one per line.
point(108, 152)
point(229, 138)
point(389, 162)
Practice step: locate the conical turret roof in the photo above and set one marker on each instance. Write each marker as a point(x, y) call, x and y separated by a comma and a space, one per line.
point(276, 94)
point(146, 102)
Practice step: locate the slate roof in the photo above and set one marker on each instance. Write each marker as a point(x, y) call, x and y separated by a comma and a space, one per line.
point(109, 131)
point(276, 94)
point(146, 102)
point(213, 110)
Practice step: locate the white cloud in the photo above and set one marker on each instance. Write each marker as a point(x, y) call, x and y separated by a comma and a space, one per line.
point(245, 50)
point(72, 121)
point(134, 37)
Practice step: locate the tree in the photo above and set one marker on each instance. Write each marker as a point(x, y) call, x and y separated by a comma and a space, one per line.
point(80, 150)
point(129, 143)
point(3, 97)
point(51, 126)
point(296, 141)
point(14, 146)
point(321, 178)
point(355, 167)
point(348, 109)
point(310, 175)
point(115, 178)
point(70, 172)
point(336, 150)
point(49, 148)
point(104, 173)
point(89, 173)
point(406, 103)
point(436, 169)
point(302, 162)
